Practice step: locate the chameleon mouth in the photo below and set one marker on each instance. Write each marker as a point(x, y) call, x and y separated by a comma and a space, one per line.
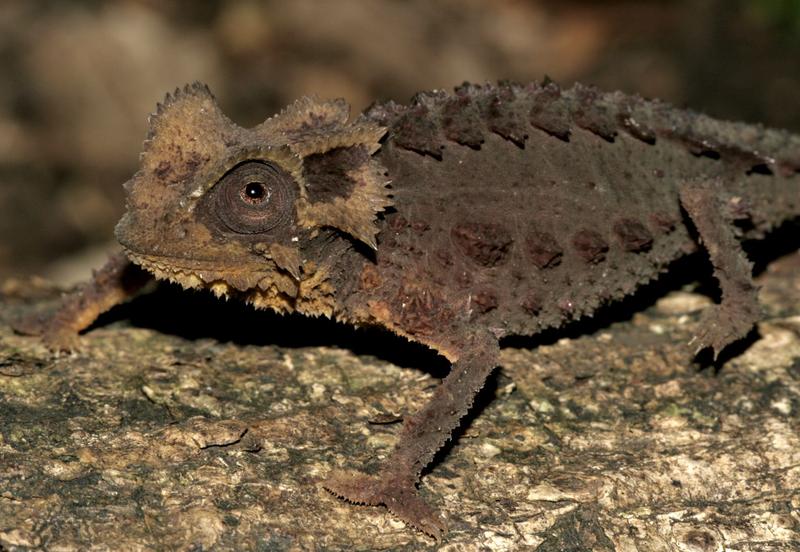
point(262, 288)
point(168, 265)
point(172, 269)
point(194, 274)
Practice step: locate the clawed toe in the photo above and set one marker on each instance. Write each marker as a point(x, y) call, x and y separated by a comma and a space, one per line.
point(721, 326)
point(62, 342)
point(56, 338)
point(400, 498)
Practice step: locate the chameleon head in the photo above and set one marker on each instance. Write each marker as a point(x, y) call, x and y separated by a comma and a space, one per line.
point(251, 211)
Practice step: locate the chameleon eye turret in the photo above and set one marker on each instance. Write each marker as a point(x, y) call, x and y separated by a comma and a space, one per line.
point(253, 198)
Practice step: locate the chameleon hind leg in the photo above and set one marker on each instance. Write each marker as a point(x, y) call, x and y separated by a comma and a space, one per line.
point(112, 284)
point(422, 435)
point(739, 310)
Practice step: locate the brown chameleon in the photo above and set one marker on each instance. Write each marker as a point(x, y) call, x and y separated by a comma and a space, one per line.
point(455, 221)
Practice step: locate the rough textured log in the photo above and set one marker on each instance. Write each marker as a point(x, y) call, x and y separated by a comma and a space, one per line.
point(172, 431)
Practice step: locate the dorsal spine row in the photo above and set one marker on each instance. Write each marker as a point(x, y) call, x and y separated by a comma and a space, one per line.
point(515, 112)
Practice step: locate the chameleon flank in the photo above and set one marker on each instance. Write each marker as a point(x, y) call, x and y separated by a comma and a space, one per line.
point(454, 221)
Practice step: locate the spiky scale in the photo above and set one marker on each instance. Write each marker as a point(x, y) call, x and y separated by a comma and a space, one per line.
point(416, 130)
point(593, 114)
point(461, 121)
point(549, 112)
point(504, 113)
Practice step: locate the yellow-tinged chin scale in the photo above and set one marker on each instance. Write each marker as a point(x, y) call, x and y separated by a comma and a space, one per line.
point(312, 295)
point(315, 297)
point(186, 278)
point(220, 289)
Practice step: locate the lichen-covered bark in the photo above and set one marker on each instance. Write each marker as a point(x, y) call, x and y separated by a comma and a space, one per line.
point(153, 436)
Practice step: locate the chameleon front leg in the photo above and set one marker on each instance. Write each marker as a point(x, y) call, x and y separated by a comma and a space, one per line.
point(739, 309)
point(115, 282)
point(422, 435)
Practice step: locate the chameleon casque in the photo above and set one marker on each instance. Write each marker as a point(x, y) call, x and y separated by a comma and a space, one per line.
point(454, 221)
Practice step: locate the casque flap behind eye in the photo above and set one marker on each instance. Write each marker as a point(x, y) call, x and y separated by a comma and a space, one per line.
point(305, 116)
point(342, 185)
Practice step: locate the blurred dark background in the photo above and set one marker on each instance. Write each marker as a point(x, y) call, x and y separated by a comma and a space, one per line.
point(79, 79)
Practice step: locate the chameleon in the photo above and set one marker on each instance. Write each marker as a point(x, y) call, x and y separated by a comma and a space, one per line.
point(455, 221)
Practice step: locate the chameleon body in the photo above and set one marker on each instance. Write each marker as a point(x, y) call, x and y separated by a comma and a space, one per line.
point(454, 221)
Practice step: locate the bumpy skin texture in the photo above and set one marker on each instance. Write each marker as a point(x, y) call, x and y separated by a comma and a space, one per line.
point(454, 221)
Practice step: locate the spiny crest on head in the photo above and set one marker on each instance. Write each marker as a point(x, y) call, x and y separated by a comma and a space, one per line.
point(312, 126)
point(194, 90)
point(186, 132)
point(343, 186)
point(340, 185)
point(308, 114)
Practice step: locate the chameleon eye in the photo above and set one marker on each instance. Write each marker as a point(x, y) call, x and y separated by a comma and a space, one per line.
point(254, 197)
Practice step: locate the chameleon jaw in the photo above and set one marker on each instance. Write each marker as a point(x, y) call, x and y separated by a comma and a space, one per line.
point(262, 286)
point(191, 275)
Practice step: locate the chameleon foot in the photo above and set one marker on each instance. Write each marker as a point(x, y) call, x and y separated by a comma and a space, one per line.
point(55, 337)
point(724, 324)
point(738, 310)
point(115, 282)
point(400, 497)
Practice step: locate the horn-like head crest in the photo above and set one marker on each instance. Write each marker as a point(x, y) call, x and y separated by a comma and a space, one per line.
point(342, 186)
point(191, 145)
point(227, 208)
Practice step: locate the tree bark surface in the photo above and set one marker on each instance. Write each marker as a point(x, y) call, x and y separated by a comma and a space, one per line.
point(187, 424)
